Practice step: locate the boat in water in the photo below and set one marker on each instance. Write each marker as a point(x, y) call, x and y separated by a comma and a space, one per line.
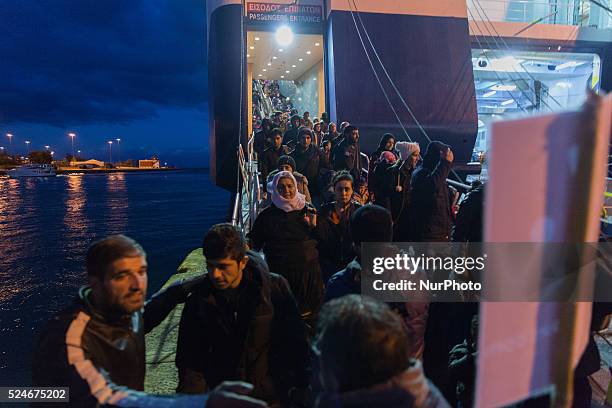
point(33, 170)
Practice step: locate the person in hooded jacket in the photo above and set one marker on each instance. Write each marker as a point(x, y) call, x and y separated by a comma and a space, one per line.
point(363, 355)
point(306, 156)
point(263, 138)
point(347, 155)
point(372, 223)
point(430, 219)
point(335, 244)
point(290, 138)
point(286, 232)
point(241, 323)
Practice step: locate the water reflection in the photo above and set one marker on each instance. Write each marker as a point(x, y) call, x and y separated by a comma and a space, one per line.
point(76, 200)
point(11, 213)
point(116, 203)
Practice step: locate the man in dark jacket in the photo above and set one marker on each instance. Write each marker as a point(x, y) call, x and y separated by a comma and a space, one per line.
point(347, 156)
point(291, 135)
point(241, 322)
point(306, 156)
point(96, 347)
point(430, 219)
point(270, 157)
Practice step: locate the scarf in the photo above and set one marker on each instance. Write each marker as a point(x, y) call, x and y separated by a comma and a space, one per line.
point(297, 203)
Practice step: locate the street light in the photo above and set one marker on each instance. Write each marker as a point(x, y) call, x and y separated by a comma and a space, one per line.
point(72, 135)
point(110, 151)
point(10, 137)
point(118, 150)
point(47, 147)
point(27, 142)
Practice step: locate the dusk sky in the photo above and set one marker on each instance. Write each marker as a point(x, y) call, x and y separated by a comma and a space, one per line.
point(134, 70)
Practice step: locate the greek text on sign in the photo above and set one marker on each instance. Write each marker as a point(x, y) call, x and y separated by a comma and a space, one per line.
point(284, 13)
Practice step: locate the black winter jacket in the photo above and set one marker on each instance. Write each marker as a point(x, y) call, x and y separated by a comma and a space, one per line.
point(430, 219)
point(102, 358)
point(256, 335)
point(290, 246)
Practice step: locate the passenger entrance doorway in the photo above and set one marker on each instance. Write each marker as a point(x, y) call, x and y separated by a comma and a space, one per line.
point(284, 74)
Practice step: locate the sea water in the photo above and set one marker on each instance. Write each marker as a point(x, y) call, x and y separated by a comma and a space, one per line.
point(46, 225)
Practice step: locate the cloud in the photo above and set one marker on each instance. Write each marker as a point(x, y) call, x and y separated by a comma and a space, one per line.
point(69, 63)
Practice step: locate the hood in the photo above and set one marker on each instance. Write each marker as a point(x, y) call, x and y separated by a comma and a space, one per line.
point(432, 154)
point(407, 389)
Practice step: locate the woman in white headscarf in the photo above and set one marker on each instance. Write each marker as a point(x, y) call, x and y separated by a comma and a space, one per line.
point(286, 232)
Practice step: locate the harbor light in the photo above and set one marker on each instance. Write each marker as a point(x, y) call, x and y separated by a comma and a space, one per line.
point(284, 35)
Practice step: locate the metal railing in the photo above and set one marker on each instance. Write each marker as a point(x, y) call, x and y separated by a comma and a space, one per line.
point(583, 13)
point(248, 199)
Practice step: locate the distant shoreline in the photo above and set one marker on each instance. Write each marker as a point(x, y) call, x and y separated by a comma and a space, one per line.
point(4, 171)
point(69, 170)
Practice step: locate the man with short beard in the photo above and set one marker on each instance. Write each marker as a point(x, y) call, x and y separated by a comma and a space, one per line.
point(96, 347)
point(242, 323)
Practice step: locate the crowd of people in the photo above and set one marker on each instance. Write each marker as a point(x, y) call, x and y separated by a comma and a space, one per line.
point(279, 310)
point(270, 91)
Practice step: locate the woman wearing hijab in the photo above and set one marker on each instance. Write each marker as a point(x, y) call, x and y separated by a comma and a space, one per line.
point(286, 232)
point(386, 143)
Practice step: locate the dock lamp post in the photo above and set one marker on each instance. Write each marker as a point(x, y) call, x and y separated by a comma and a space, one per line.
point(72, 136)
point(10, 138)
point(118, 149)
point(110, 151)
